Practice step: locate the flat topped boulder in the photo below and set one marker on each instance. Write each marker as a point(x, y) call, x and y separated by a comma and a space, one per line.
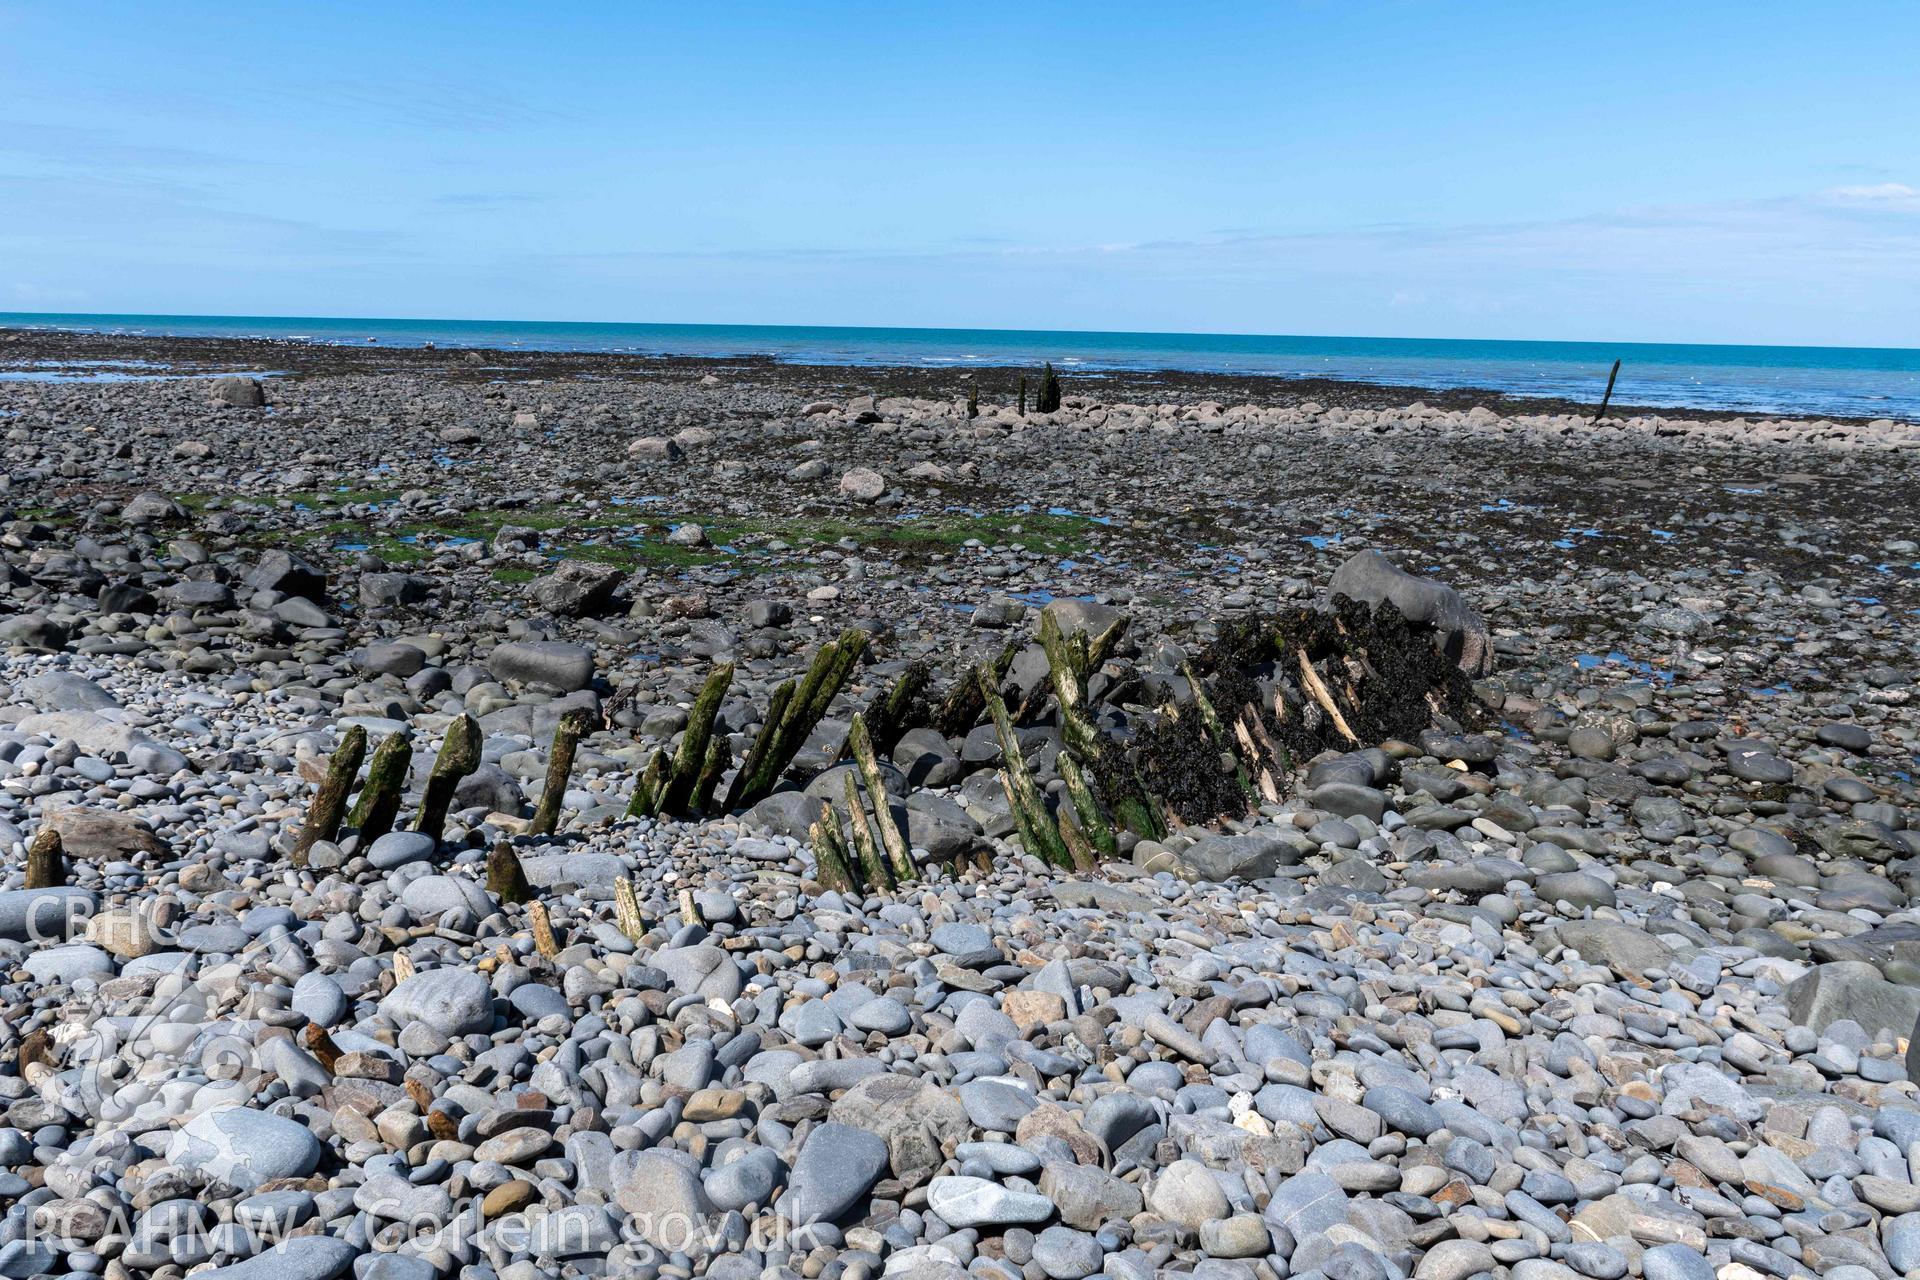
point(1460, 633)
point(863, 484)
point(301, 1258)
point(45, 915)
point(1245, 857)
point(1086, 616)
point(1620, 947)
point(110, 739)
point(555, 664)
point(65, 691)
point(288, 574)
point(152, 508)
point(104, 834)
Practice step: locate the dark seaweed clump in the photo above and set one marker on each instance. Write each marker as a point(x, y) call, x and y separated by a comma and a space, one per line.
point(1181, 765)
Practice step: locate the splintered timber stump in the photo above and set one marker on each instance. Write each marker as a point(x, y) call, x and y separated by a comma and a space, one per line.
point(795, 711)
point(1266, 696)
point(899, 708)
point(684, 785)
point(506, 879)
point(892, 839)
point(1048, 398)
point(46, 861)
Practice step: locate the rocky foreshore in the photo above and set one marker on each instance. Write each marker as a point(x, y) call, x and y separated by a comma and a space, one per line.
point(1542, 907)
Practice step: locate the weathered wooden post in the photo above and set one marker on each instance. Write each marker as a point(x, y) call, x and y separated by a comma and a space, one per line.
point(459, 756)
point(46, 860)
point(566, 740)
point(379, 802)
point(330, 801)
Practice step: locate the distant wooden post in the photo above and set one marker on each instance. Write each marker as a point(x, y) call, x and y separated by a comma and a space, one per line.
point(1604, 400)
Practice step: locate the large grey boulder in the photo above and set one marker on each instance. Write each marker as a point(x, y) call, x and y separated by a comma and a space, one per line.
point(1623, 948)
point(1246, 857)
point(917, 1120)
point(577, 588)
point(288, 574)
point(838, 1165)
point(1460, 633)
point(705, 971)
point(45, 915)
point(389, 589)
point(32, 631)
point(237, 392)
point(65, 691)
point(152, 508)
point(301, 1258)
point(104, 835)
point(244, 1148)
point(1855, 991)
point(670, 1209)
point(454, 1002)
point(1085, 616)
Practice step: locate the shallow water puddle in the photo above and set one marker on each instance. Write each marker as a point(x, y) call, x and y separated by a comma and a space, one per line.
point(1594, 661)
point(116, 371)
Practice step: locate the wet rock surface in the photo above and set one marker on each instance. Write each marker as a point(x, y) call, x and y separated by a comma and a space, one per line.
point(1608, 968)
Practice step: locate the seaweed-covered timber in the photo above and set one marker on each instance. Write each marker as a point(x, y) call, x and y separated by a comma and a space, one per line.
point(1272, 691)
point(1047, 399)
point(459, 756)
point(566, 742)
point(793, 715)
point(506, 878)
point(381, 795)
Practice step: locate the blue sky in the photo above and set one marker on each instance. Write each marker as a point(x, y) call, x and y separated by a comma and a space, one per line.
point(1711, 172)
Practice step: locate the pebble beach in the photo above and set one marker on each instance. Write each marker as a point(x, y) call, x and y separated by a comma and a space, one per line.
point(1605, 964)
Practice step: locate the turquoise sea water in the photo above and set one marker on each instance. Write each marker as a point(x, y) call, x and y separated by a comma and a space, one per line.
point(1864, 382)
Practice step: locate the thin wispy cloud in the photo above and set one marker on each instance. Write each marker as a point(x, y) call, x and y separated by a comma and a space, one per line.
point(419, 103)
point(1880, 195)
point(76, 147)
point(484, 199)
